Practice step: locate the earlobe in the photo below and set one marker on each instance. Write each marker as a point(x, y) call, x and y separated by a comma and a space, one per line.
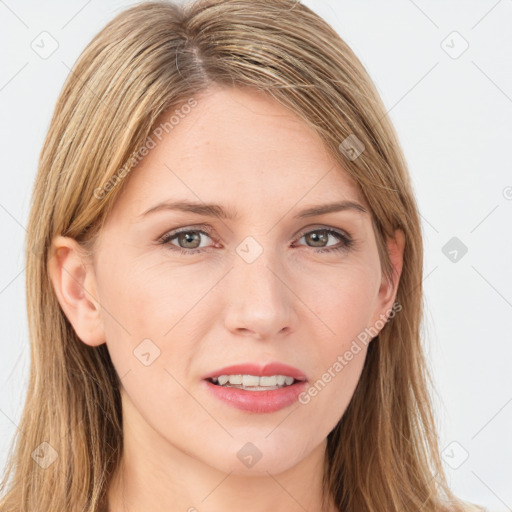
point(389, 287)
point(396, 256)
point(74, 284)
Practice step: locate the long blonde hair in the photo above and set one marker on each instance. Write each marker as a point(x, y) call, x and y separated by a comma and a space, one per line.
point(151, 58)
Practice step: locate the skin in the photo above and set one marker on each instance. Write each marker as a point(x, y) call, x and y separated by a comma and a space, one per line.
point(241, 149)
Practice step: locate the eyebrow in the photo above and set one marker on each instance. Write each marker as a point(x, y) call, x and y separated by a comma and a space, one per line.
point(216, 210)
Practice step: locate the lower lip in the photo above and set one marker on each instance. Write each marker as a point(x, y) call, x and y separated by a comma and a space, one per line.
point(258, 401)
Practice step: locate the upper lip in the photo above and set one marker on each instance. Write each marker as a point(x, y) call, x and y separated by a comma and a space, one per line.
point(258, 369)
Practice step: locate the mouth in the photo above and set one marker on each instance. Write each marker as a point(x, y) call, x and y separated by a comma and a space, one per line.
point(256, 377)
point(257, 388)
point(254, 382)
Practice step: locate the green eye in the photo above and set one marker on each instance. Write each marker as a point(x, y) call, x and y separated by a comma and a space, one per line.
point(189, 240)
point(346, 241)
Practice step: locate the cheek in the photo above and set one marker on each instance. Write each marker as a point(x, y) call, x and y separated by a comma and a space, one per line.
point(340, 360)
point(149, 314)
point(345, 308)
point(344, 303)
point(145, 308)
point(147, 300)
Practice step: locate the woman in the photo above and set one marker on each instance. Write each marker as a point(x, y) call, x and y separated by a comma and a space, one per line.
point(224, 278)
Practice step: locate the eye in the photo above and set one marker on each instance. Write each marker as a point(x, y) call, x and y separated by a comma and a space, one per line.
point(189, 240)
point(320, 236)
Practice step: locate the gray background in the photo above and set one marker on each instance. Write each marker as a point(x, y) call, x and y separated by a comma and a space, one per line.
point(452, 110)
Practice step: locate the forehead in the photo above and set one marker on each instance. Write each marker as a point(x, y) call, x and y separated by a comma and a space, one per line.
point(240, 148)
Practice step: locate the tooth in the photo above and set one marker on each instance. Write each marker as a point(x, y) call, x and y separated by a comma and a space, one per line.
point(268, 381)
point(253, 381)
point(223, 379)
point(250, 380)
point(235, 379)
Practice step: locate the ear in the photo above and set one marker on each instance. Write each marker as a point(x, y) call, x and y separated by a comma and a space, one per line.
point(74, 283)
point(389, 287)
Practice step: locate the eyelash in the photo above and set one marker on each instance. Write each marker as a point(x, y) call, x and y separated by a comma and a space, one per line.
point(347, 240)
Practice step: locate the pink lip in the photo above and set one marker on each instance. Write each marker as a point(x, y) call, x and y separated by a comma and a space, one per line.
point(258, 401)
point(263, 370)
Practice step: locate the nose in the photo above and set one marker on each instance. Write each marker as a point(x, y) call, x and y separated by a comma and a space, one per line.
point(259, 302)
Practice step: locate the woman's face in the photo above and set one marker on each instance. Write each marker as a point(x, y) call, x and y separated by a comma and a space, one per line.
point(267, 284)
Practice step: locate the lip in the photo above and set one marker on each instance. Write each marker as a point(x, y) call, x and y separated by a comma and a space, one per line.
point(258, 401)
point(259, 370)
